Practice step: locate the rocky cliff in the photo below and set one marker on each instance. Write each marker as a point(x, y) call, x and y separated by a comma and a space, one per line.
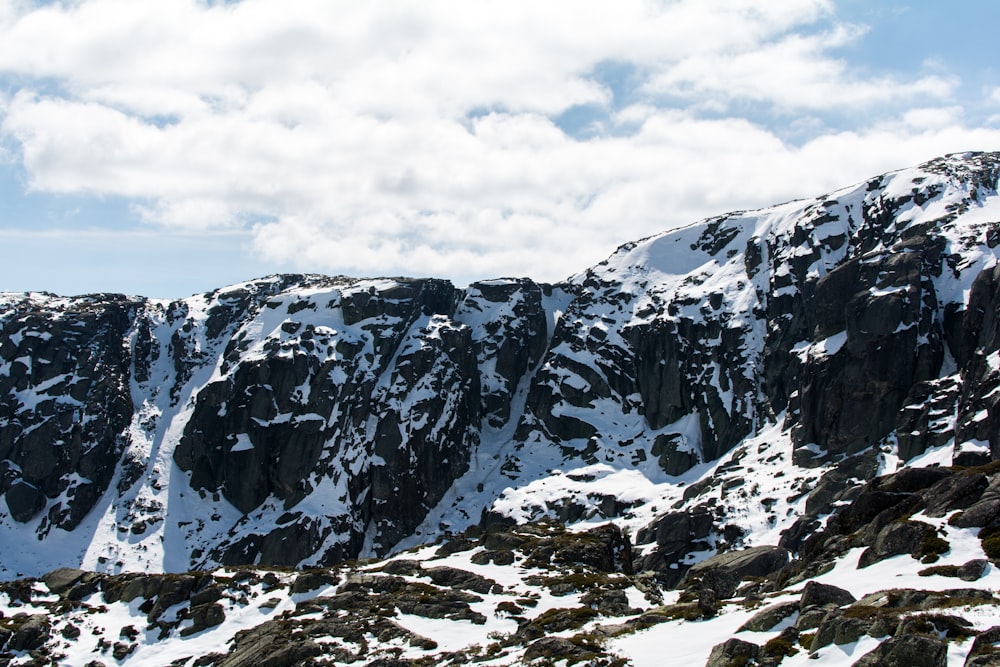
point(304, 420)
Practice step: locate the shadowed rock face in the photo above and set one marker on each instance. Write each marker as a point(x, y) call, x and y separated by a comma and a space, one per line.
point(311, 419)
point(388, 410)
point(977, 405)
point(64, 405)
point(885, 309)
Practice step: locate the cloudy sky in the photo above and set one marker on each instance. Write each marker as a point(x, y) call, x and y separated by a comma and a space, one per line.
point(166, 147)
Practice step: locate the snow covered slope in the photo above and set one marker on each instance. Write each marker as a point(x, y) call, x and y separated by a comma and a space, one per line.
point(541, 594)
point(722, 372)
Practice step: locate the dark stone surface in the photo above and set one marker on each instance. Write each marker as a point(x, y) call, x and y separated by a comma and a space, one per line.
point(851, 399)
point(269, 645)
point(30, 634)
point(836, 628)
point(980, 337)
point(753, 562)
point(555, 648)
point(278, 456)
point(733, 653)
point(203, 617)
point(870, 505)
point(461, 579)
point(983, 652)
point(981, 513)
point(723, 572)
point(898, 537)
point(675, 534)
point(955, 492)
point(67, 444)
point(767, 618)
point(908, 651)
point(310, 580)
point(973, 570)
point(64, 579)
point(24, 501)
point(911, 480)
point(818, 594)
point(604, 548)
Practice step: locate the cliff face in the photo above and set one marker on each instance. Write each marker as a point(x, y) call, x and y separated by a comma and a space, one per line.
point(307, 419)
point(303, 417)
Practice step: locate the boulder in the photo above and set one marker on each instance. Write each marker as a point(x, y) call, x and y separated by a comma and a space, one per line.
point(935, 625)
point(733, 653)
point(872, 504)
point(984, 652)
point(757, 561)
point(30, 634)
point(907, 651)
point(203, 617)
point(982, 513)
point(456, 578)
point(953, 493)
point(554, 648)
point(898, 537)
point(604, 548)
point(973, 570)
point(768, 617)
point(24, 501)
point(269, 645)
point(916, 599)
point(836, 628)
point(723, 572)
point(61, 580)
point(310, 580)
point(676, 534)
point(910, 480)
point(609, 603)
point(817, 594)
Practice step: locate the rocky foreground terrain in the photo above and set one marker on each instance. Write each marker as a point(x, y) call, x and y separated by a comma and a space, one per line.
point(903, 574)
point(766, 437)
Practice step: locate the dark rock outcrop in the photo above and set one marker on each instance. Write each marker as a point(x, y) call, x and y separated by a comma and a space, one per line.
point(723, 572)
point(907, 651)
point(733, 653)
point(984, 652)
point(765, 619)
point(817, 594)
point(65, 404)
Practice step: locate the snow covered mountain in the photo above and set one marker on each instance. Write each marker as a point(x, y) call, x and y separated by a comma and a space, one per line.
point(729, 387)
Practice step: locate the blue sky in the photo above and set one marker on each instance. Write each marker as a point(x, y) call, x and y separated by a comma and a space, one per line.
point(167, 147)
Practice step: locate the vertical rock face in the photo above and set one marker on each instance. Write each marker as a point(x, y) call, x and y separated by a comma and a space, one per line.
point(369, 389)
point(980, 357)
point(509, 326)
point(879, 335)
point(64, 405)
point(306, 419)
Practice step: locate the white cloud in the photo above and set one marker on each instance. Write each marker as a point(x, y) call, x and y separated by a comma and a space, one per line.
point(422, 137)
point(792, 72)
point(932, 118)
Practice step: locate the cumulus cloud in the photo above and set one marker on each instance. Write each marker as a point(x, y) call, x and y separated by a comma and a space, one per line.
point(426, 137)
point(792, 72)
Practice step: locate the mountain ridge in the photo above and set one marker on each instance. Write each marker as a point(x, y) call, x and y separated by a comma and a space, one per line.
point(328, 392)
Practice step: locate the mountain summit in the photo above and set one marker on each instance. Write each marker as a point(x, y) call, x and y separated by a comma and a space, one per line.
point(724, 387)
